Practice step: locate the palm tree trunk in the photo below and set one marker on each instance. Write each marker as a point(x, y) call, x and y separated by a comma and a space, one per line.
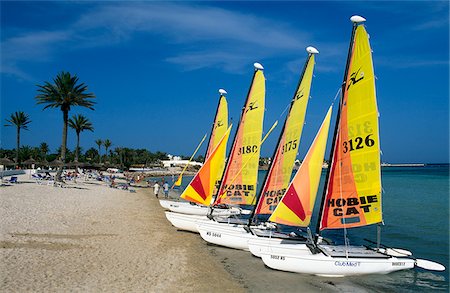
point(78, 146)
point(64, 143)
point(18, 145)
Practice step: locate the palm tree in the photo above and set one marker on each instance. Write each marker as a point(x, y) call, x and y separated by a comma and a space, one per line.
point(99, 143)
point(119, 151)
point(79, 123)
point(21, 121)
point(107, 143)
point(43, 147)
point(64, 93)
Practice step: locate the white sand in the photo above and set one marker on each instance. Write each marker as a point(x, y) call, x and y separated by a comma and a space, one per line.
point(91, 238)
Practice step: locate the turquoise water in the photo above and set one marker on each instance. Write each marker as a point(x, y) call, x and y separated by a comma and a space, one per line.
point(416, 217)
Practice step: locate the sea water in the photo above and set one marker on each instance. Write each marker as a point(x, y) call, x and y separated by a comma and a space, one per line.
point(416, 218)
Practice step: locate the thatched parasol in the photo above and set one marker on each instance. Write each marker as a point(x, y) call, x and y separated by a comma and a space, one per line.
point(76, 164)
point(30, 161)
point(5, 161)
point(56, 163)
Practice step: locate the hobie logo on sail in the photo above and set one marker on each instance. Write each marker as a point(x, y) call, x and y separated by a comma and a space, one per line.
point(355, 77)
point(251, 106)
point(273, 197)
point(239, 189)
point(299, 94)
point(219, 123)
point(348, 207)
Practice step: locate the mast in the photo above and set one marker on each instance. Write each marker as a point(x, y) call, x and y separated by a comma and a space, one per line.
point(356, 20)
point(222, 93)
point(311, 51)
point(257, 66)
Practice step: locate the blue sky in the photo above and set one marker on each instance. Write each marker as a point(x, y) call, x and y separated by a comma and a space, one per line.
point(156, 67)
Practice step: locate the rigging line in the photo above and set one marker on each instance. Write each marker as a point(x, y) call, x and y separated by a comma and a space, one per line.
point(338, 94)
point(185, 167)
point(285, 109)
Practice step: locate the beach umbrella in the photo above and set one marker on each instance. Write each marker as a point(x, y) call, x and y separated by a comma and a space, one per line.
point(5, 161)
point(30, 161)
point(44, 162)
point(56, 163)
point(76, 164)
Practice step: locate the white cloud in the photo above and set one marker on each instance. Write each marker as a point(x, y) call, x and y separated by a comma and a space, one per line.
point(405, 63)
point(224, 38)
point(432, 24)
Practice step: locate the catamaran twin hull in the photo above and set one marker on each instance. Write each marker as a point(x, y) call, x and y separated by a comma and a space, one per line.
point(166, 203)
point(240, 236)
point(333, 261)
point(187, 208)
point(184, 222)
point(259, 245)
point(188, 222)
point(194, 209)
point(223, 234)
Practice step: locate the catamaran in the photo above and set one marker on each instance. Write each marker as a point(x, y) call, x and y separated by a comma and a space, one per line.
point(352, 197)
point(236, 234)
point(218, 129)
point(238, 184)
point(296, 206)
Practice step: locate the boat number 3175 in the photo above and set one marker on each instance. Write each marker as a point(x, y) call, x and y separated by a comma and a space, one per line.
point(358, 143)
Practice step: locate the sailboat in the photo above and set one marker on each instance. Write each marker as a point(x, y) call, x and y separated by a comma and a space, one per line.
point(296, 206)
point(238, 184)
point(218, 129)
point(352, 197)
point(236, 233)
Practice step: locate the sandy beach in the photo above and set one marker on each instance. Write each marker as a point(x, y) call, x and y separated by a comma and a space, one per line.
point(89, 237)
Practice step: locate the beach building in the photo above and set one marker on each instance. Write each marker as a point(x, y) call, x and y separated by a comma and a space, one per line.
point(176, 161)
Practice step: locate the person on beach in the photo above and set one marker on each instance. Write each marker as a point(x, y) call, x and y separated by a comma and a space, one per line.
point(166, 189)
point(156, 189)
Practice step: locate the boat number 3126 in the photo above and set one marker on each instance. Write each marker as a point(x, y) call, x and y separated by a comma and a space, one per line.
point(358, 143)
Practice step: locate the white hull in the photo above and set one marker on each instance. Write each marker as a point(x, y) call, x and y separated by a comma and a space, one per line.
point(260, 245)
point(166, 203)
point(360, 261)
point(184, 221)
point(188, 208)
point(223, 234)
point(193, 209)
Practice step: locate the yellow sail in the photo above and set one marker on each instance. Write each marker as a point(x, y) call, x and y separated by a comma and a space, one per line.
point(280, 171)
point(201, 188)
point(220, 125)
point(241, 173)
point(353, 196)
point(297, 204)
